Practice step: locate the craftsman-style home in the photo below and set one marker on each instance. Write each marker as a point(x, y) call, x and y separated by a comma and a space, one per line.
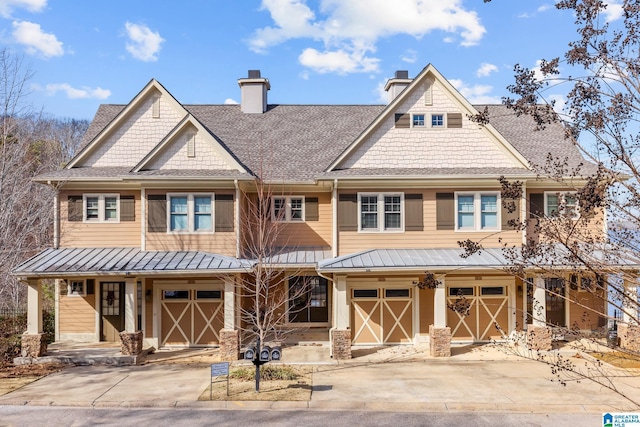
point(148, 233)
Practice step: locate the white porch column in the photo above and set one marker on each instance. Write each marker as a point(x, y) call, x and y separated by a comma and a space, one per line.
point(229, 303)
point(631, 308)
point(340, 305)
point(56, 306)
point(130, 305)
point(440, 305)
point(34, 307)
point(539, 310)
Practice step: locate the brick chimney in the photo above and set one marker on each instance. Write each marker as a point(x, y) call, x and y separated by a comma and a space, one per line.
point(397, 84)
point(254, 93)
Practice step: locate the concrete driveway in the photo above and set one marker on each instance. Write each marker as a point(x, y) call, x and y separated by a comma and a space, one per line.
point(400, 379)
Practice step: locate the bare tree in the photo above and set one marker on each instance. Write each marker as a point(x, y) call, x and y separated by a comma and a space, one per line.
point(267, 301)
point(600, 72)
point(31, 143)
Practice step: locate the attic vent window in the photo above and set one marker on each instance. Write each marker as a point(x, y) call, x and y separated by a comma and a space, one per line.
point(191, 146)
point(428, 94)
point(155, 109)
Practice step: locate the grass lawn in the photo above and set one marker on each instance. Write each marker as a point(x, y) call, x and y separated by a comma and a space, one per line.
point(619, 359)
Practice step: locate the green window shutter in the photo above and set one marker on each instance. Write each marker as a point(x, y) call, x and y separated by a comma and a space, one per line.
point(127, 208)
point(454, 120)
point(536, 205)
point(445, 211)
point(311, 209)
point(403, 120)
point(74, 208)
point(507, 216)
point(413, 212)
point(348, 212)
point(224, 212)
point(157, 215)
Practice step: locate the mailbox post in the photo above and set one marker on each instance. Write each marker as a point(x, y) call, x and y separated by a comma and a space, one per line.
point(259, 355)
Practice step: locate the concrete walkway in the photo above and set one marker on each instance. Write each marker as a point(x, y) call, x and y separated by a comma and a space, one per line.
point(396, 378)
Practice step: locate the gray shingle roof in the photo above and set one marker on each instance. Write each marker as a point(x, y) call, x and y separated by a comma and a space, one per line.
point(298, 142)
point(123, 173)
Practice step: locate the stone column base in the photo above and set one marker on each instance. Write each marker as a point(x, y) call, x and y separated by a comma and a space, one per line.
point(341, 344)
point(439, 341)
point(629, 337)
point(229, 345)
point(539, 338)
point(131, 343)
point(34, 345)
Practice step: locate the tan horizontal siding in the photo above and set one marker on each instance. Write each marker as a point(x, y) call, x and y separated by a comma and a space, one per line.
point(85, 235)
point(310, 233)
point(77, 314)
point(430, 237)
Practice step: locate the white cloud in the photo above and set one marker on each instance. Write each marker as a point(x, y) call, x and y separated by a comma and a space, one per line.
point(544, 7)
point(382, 96)
point(477, 94)
point(143, 43)
point(230, 101)
point(304, 75)
point(410, 56)
point(560, 102)
point(614, 11)
point(7, 6)
point(350, 30)
point(338, 61)
point(75, 93)
point(486, 69)
point(35, 40)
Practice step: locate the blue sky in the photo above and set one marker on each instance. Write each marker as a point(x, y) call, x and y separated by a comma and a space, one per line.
point(85, 53)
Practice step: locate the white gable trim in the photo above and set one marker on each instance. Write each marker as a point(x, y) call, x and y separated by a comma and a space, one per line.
point(150, 87)
point(503, 144)
point(186, 121)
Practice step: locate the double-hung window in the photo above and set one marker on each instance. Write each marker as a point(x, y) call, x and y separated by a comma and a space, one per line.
point(381, 212)
point(477, 211)
point(287, 208)
point(437, 120)
point(418, 120)
point(190, 213)
point(101, 207)
point(556, 204)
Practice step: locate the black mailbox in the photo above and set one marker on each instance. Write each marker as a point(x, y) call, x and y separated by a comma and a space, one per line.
point(250, 353)
point(265, 354)
point(276, 353)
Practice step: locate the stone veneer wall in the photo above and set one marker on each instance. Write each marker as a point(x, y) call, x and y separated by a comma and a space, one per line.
point(131, 343)
point(34, 345)
point(539, 338)
point(439, 341)
point(629, 337)
point(341, 344)
point(229, 345)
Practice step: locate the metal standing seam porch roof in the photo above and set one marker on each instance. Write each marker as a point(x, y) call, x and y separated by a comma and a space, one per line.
point(126, 261)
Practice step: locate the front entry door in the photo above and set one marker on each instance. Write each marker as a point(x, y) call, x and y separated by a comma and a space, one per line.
point(111, 310)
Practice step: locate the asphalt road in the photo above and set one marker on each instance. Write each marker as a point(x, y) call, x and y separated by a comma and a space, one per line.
point(64, 416)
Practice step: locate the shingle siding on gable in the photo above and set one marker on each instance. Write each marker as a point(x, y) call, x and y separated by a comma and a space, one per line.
point(175, 155)
point(135, 137)
point(390, 147)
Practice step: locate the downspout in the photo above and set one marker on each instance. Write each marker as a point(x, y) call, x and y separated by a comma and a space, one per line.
point(143, 219)
point(237, 217)
point(56, 219)
point(334, 206)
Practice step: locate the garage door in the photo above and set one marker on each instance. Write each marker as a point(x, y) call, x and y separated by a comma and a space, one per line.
point(190, 317)
point(382, 316)
point(480, 308)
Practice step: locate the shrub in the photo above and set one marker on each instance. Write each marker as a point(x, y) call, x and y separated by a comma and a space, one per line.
point(267, 373)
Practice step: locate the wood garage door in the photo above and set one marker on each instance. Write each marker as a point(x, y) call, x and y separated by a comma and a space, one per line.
point(381, 316)
point(485, 306)
point(190, 317)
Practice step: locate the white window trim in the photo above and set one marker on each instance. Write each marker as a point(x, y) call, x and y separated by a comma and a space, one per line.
point(444, 120)
point(191, 213)
point(101, 208)
point(287, 207)
point(77, 294)
point(477, 214)
point(561, 203)
point(426, 117)
point(380, 213)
